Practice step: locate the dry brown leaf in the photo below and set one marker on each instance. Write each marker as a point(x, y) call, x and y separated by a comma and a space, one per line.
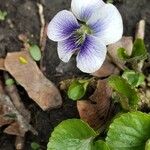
point(96, 113)
point(12, 117)
point(127, 43)
point(9, 109)
point(38, 87)
point(2, 67)
point(14, 129)
point(4, 121)
point(107, 69)
point(1, 107)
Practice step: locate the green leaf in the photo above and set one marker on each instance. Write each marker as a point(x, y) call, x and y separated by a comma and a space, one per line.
point(9, 82)
point(129, 132)
point(35, 146)
point(122, 54)
point(77, 89)
point(100, 145)
point(125, 91)
point(147, 146)
point(72, 134)
point(3, 15)
point(134, 78)
point(139, 51)
point(35, 52)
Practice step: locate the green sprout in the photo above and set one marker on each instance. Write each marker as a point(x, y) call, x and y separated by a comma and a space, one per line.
point(139, 52)
point(9, 82)
point(35, 52)
point(3, 15)
point(35, 146)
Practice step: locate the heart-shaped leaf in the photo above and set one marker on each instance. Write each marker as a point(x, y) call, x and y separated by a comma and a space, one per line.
point(126, 93)
point(130, 131)
point(72, 134)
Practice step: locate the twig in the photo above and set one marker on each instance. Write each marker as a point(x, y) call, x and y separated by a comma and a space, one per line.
point(19, 143)
point(15, 97)
point(24, 39)
point(43, 35)
point(42, 20)
point(43, 45)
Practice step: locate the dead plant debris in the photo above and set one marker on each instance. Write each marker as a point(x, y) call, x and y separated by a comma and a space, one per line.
point(38, 87)
point(95, 111)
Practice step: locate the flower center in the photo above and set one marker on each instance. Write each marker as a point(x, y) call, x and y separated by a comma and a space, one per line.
point(81, 33)
point(84, 29)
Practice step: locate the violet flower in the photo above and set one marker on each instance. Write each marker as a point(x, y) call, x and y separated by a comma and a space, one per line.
point(86, 30)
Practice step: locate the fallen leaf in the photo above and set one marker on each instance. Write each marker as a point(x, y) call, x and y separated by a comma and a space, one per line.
point(2, 67)
point(9, 115)
point(14, 129)
point(107, 69)
point(97, 112)
point(4, 121)
point(127, 43)
point(38, 87)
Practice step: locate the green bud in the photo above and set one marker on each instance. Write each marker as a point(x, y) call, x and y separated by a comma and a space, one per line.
point(77, 89)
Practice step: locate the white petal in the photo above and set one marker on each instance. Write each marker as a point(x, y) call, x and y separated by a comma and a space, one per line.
point(83, 9)
point(107, 24)
point(62, 26)
point(91, 56)
point(67, 48)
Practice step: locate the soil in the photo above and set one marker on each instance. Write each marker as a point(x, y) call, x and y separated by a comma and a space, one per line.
point(23, 18)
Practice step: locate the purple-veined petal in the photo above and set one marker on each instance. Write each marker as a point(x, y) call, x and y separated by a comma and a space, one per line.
point(107, 24)
point(62, 26)
point(92, 55)
point(83, 9)
point(67, 48)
